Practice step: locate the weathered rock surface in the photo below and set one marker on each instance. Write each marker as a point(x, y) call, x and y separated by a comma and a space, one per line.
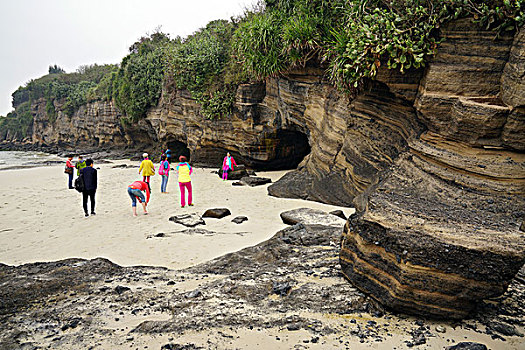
point(339, 213)
point(217, 213)
point(239, 219)
point(308, 216)
point(456, 127)
point(253, 181)
point(467, 346)
point(96, 124)
point(288, 284)
point(189, 220)
point(439, 231)
point(238, 173)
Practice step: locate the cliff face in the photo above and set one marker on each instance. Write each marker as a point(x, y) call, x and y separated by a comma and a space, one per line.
point(96, 124)
point(440, 230)
point(432, 159)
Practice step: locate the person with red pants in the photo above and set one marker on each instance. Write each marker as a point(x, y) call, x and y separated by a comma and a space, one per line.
point(184, 170)
point(147, 168)
point(135, 193)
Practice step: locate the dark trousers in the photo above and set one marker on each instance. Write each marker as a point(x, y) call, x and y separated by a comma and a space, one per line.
point(91, 195)
point(70, 180)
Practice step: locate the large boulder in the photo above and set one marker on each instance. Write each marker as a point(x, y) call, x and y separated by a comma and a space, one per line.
point(424, 245)
point(217, 213)
point(253, 181)
point(238, 173)
point(308, 216)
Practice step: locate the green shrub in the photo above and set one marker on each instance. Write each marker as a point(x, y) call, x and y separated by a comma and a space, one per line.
point(137, 85)
point(18, 122)
point(202, 64)
point(71, 90)
point(355, 37)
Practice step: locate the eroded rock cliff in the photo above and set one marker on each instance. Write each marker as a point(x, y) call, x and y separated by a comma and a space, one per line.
point(440, 230)
point(432, 159)
point(95, 124)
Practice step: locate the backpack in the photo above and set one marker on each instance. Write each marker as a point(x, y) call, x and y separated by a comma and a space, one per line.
point(79, 183)
point(164, 168)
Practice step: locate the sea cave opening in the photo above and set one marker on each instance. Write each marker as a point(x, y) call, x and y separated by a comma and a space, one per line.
point(285, 149)
point(178, 149)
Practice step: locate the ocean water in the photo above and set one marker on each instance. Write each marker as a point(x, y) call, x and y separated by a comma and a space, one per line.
point(20, 159)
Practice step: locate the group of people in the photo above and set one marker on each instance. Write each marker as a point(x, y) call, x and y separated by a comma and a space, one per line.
point(147, 168)
point(140, 191)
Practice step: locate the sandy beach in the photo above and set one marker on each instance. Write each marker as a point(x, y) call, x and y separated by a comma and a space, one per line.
point(144, 305)
point(42, 220)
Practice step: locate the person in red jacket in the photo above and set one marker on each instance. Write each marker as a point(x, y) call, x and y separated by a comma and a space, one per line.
point(69, 172)
point(135, 193)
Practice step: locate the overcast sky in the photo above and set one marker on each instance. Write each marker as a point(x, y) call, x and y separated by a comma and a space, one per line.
point(35, 34)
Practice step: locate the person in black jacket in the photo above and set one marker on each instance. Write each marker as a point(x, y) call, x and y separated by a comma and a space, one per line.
point(90, 186)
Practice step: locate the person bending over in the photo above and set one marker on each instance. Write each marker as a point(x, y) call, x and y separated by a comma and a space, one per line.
point(135, 193)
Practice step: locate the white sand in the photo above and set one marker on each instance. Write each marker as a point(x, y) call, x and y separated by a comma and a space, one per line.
point(42, 220)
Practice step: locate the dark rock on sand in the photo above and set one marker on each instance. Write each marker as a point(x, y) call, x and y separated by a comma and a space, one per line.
point(196, 231)
point(121, 289)
point(189, 220)
point(239, 219)
point(467, 346)
point(238, 173)
point(171, 346)
point(339, 213)
point(311, 216)
point(281, 289)
point(255, 181)
point(217, 213)
point(502, 328)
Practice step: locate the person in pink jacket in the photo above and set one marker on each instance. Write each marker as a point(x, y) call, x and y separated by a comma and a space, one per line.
point(227, 165)
point(164, 172)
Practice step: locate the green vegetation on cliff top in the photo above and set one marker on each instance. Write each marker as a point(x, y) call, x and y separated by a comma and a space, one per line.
point(351, 38)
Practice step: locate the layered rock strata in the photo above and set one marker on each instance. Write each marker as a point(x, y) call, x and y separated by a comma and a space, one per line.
point(96, 124)
point(449, 137)
point(440, 230)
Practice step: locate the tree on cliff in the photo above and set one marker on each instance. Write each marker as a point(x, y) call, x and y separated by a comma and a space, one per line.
point(138, 83)
point(56, 70)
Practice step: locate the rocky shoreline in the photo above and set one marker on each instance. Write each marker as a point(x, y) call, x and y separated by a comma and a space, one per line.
point(289, 288)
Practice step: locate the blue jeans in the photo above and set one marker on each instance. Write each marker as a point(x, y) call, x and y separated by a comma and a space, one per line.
point(70, 182)
point(134, 194)
point(164, 183)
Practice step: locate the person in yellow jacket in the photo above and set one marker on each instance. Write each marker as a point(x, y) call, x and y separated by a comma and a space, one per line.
point(147, 168)
point(184, 170)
